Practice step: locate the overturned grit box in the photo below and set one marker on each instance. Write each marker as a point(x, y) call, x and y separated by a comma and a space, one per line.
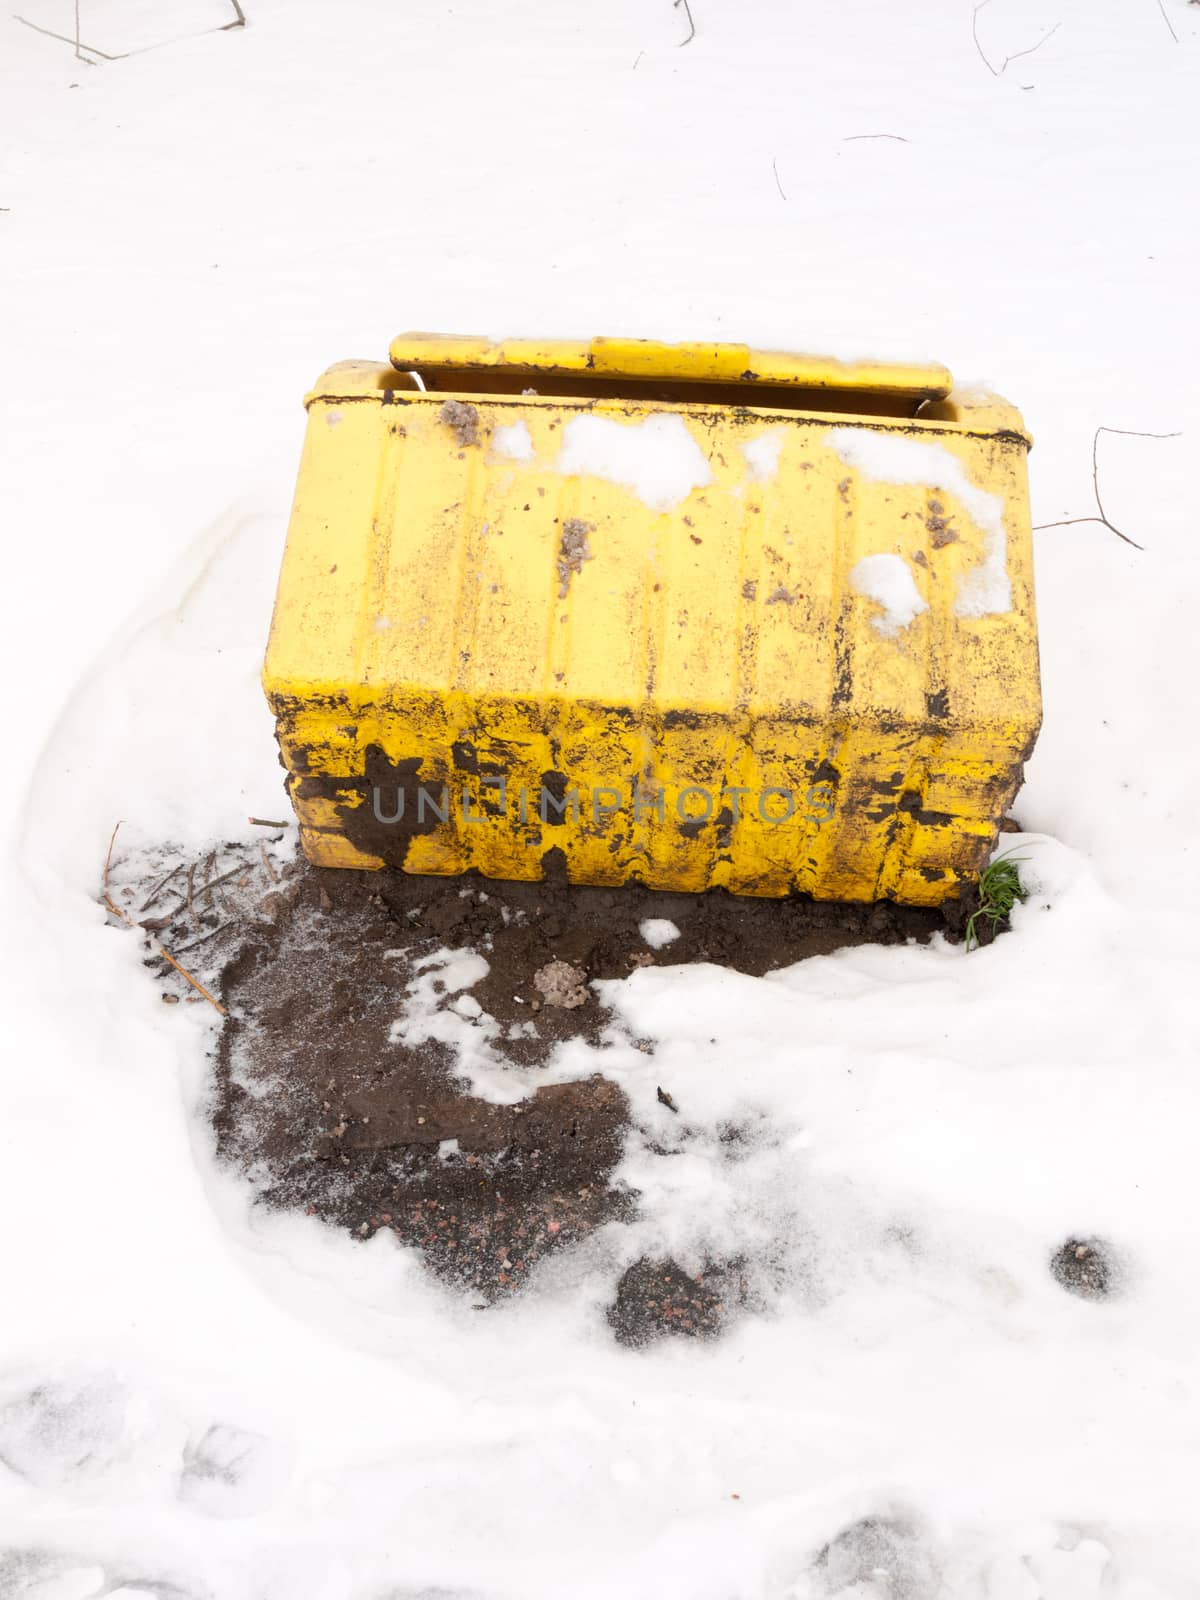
point(692, 616)
point(586, 658)
point(334, 1094)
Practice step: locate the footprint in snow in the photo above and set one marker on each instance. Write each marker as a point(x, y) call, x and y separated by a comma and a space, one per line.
point(230, 1472)
point(879, 1556)
point(63, 1431)
point(49, 1575)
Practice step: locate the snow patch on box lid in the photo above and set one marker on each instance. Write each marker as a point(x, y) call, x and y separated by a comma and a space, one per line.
point(984, 591)
point(513, 442)
point(888, 580)
point(762, 454)
point(658, 460)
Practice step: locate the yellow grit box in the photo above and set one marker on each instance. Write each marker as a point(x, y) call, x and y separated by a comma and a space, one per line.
point(688, 615)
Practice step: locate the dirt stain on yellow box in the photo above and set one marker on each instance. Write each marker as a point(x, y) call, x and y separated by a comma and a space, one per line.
point(693, 615)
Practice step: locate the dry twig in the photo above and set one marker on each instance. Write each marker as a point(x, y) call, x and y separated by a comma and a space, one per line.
point(691, 23)
point(108, 901)
point(224, 878)
point(268, 863)
point(998, 72)
point(1103, 519)
point(851, 137)
point(1163, 10)
point(261, 822)
point(124, 55)
point(50, 34)
point(159, 887)
point(778, 185)
point(195, 982)
point(204, 938)
point(165, 954)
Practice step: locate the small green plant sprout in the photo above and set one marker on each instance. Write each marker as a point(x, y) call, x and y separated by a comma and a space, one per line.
point(1000, 888)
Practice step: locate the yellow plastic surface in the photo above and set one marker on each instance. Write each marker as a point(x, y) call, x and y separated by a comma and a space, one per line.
point(561, 678)
point(646, 359)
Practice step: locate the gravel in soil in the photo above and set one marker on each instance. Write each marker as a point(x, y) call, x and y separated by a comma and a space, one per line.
point(655, 1299)
point(1086, 1267)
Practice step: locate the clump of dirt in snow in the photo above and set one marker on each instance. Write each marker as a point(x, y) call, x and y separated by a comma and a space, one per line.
point(464, 419)
point(1086, 1267)
point(655, 1299)
point(561, 984)
point(573, 551)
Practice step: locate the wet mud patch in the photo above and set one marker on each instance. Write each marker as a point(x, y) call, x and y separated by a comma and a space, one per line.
point(353, 1001)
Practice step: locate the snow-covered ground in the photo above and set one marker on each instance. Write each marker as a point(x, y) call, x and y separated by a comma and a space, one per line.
point(197, 1401)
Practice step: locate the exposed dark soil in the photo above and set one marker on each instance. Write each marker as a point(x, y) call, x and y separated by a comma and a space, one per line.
point(326, 1111)
point(1086, 1267)
point(657, 1298)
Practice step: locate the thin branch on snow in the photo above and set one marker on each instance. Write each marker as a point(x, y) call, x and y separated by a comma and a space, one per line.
point(691, 23)
point(129, 922)
point(204, 937)
point(159, 887)
point(1017, 54)
point(998, 72)
point(1103, 518)
point(1162, 8)
point(851, 137)
point(107, 869)
point(50, 34)
point(224, 878)
point(195, 982)
point(85, 52)
point(778, 185)
point(975, 36)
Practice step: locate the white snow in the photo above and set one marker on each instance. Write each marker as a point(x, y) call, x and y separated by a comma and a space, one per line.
point(892, 458)
point(513, 442)
point(187, 237)
point(657, 460)
point(658, 932)
point(762, 454)
point(888, 580)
